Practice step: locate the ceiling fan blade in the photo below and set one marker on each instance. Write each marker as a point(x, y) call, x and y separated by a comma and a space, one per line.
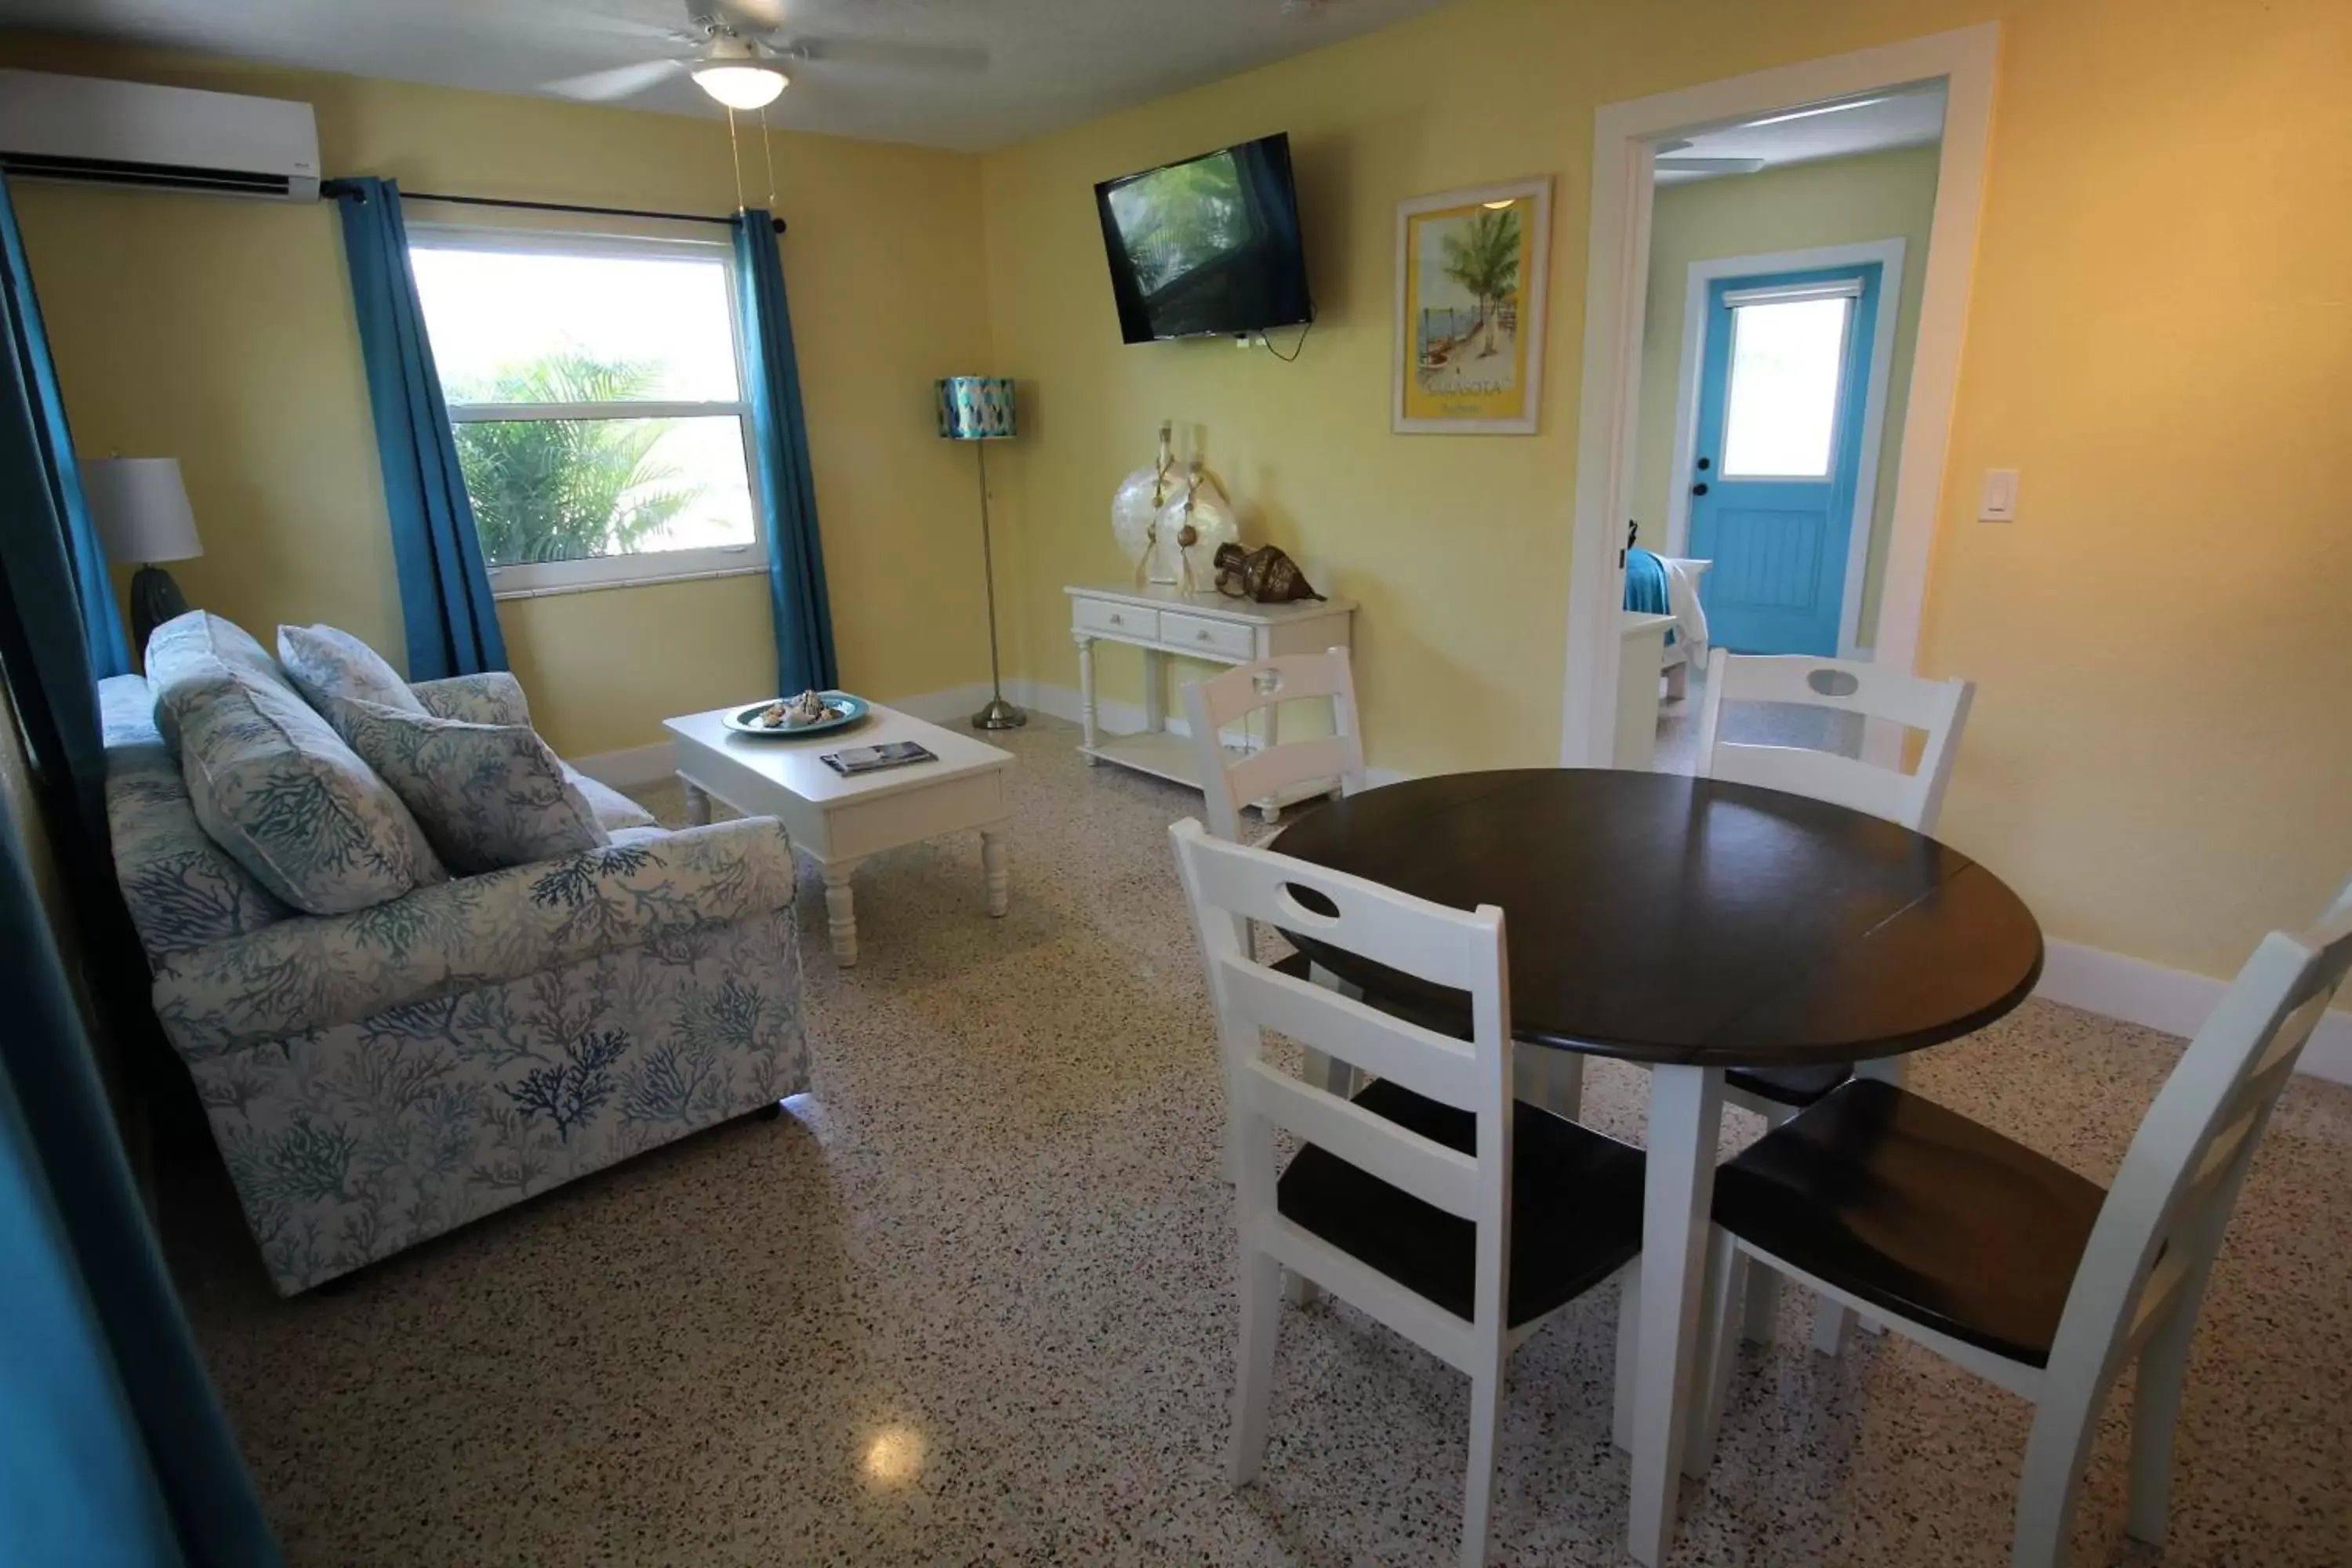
point(876, 54)
point(555, 15)
point(621, 82)
point(756, 15)
point(1709, 165)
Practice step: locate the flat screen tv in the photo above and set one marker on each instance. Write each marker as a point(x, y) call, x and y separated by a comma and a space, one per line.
point(1207, 246)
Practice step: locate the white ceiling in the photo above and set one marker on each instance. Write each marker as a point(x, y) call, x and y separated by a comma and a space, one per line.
point(1051, 62)
point(1909, 118)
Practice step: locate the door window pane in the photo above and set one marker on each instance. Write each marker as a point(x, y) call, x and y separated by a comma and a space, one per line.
point(571, 490)
point(1787, 359)
point(659, 326)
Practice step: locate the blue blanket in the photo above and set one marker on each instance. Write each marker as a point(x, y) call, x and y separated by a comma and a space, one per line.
point(1645, 586)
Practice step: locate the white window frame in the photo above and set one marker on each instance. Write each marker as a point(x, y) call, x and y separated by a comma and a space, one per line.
point(532, 579)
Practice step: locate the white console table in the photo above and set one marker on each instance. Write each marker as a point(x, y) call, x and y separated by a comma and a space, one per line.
point(1160, 621)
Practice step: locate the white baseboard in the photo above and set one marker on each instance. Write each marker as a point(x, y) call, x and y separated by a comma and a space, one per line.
point(956, 703)
point(2108, 984)
point(2172, 1000)
point(641, 765)
point(637, 766)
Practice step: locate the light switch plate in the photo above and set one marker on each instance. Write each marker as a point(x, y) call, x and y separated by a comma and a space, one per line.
point(1999, 502)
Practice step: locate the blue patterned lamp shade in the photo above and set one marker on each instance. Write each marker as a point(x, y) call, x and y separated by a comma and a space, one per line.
point(977, 409)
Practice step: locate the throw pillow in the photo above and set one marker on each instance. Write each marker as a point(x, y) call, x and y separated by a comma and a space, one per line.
point(269, 780)
point(488, 795)
point(330, 666)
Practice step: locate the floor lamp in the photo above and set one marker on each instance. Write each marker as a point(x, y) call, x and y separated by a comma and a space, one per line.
point(978, 409)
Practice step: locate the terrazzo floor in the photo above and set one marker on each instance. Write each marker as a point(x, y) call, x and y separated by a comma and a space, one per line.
point(969, 1302)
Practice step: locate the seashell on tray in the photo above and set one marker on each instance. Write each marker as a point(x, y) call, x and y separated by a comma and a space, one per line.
point(799, 713)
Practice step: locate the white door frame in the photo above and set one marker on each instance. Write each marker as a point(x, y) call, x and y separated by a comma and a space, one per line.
point(1888, 255)
point(1617, 279)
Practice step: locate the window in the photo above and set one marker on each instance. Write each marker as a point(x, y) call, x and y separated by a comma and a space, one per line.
point(596, 391)
point(1788, 360)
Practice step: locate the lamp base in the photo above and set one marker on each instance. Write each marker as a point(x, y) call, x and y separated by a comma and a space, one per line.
point(155, 599)
point(999, 715)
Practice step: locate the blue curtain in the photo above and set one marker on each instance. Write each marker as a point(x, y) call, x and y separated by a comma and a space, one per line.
point(90, 599)
point(62, 629)
point(112, 1448)
point(788, 489)
point(444, 588)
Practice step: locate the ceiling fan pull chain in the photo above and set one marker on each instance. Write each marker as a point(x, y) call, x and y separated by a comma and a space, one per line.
point(768, 144)
point(735, 158)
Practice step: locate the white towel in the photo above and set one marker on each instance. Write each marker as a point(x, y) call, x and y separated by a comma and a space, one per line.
point(1681, 602)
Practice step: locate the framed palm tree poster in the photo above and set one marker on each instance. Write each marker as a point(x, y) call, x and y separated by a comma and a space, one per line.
point(1470, 310)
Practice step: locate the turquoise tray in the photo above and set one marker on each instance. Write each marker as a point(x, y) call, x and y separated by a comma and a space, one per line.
point(852, 709)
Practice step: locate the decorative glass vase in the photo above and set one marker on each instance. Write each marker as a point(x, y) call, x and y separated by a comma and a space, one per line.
point(1196, 520)
point(1136, 507)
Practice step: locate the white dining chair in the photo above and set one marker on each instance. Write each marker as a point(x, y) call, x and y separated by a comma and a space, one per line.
point(1431, 1200)
point(1232, 781)
point(1914, 800)
point(2014, 1267)
point(1939, 709)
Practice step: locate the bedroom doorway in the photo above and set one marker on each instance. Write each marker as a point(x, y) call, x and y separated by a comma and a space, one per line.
point(1792, 535)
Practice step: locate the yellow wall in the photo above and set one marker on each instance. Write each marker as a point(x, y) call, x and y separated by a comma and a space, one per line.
point(2159, 337)
point(1838, 201)
point(219, 332)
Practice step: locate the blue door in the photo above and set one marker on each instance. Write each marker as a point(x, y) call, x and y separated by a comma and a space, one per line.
point(1783, 389)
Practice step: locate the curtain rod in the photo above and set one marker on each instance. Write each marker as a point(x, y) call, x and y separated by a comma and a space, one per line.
point(344, 188)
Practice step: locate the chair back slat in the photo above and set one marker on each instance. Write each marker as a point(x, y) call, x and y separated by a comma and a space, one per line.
point(1445, 947)
point(1228, 885)
point(1230, 783)
point(1258, 774)
point(1820, 775)
point(1429, 1064)
point(1428, 1170)
point(1914, 800)
point(2163, 1219)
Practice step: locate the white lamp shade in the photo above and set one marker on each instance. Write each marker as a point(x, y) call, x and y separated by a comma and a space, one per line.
point(140, 509)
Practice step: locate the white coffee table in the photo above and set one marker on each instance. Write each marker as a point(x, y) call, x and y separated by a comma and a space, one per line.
point(841, 821)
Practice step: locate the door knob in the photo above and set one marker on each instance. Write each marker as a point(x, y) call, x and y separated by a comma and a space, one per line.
point(1699, 488)
point(1704, 464)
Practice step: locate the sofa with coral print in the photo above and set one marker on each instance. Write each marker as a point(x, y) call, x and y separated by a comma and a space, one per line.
point(380, 1076)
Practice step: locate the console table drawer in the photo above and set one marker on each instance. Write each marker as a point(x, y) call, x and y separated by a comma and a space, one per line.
point(1209, 637)
point(1124, 621)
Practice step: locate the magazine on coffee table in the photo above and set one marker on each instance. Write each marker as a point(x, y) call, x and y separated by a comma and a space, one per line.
point(874, 759)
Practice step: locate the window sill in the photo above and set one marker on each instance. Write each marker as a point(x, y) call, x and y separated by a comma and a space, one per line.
point(649, 581)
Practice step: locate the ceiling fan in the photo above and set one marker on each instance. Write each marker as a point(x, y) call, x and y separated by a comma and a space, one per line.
point(733, 54)
point(1668, 163)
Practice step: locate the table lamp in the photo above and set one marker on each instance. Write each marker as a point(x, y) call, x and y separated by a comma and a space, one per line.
point(978, 409)
point(142, 511)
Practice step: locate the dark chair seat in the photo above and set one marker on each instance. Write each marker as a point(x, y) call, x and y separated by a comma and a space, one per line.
point(1576, 1208)
point(1919, 1210)
point(1798, 1087)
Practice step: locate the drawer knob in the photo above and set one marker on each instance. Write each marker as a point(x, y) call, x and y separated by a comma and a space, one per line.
point(1117, 621)
point(1203, 635)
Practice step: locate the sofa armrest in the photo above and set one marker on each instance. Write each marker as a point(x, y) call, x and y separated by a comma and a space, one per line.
point(316, 972)
point(493, 697)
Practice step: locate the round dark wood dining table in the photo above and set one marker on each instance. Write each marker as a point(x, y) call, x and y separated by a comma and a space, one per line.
point(1693, 925)
point(1667, 919)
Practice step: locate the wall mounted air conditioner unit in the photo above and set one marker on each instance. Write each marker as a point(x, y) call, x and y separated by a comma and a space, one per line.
point(173, 138)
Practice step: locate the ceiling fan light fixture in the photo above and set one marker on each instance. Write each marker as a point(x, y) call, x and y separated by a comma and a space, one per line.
point(740, 86)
